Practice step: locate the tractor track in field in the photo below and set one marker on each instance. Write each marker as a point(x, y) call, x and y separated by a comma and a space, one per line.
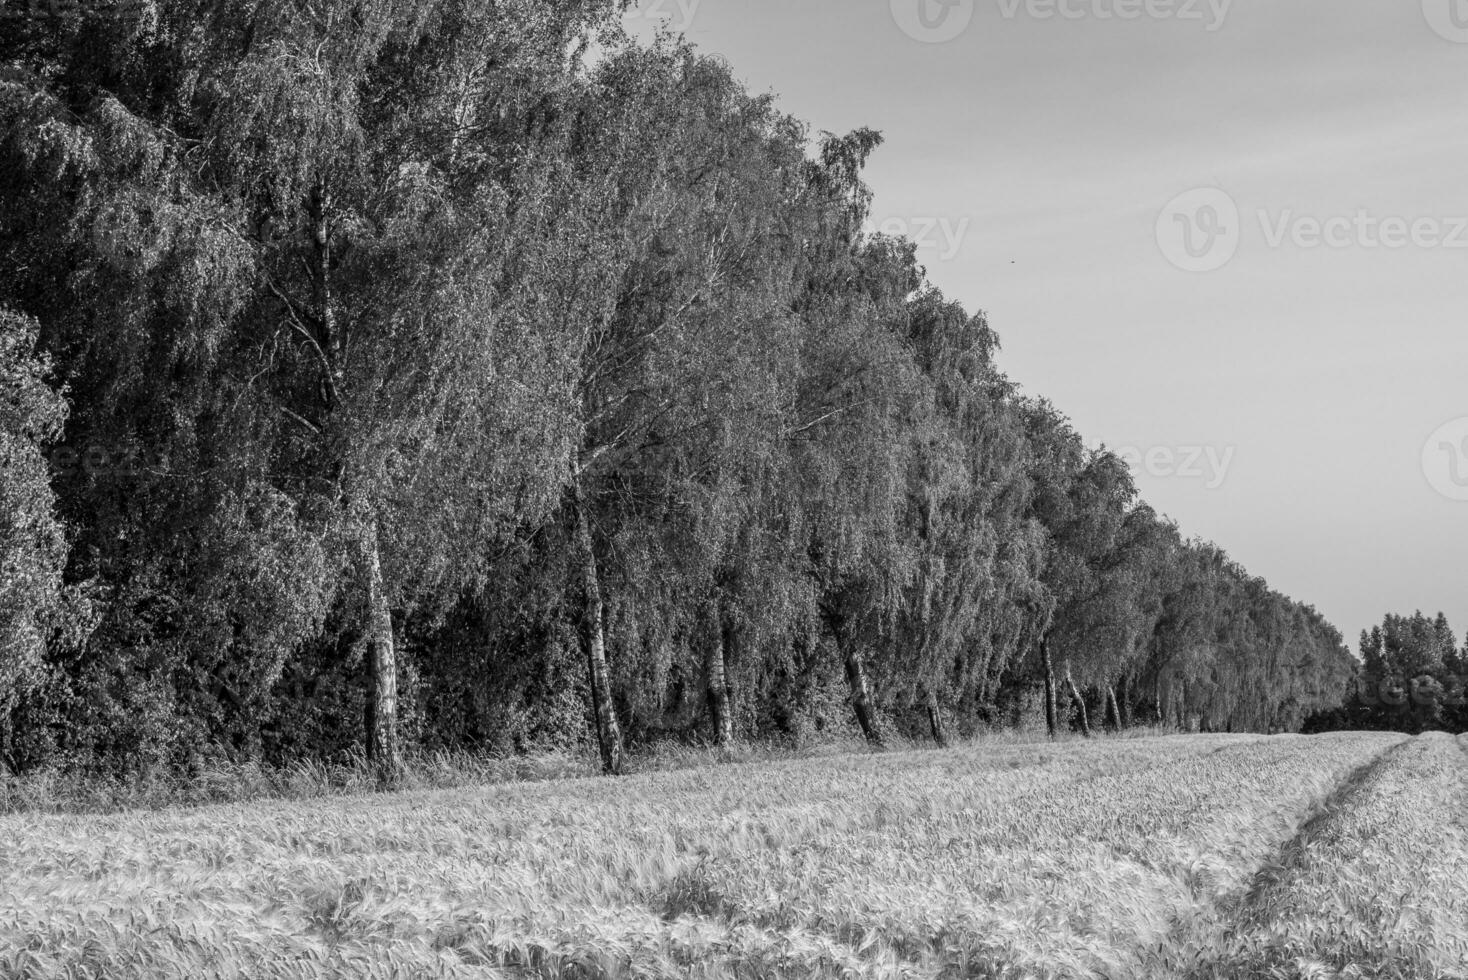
point(1206, 939)
point(1247, 913)
point(1288, 857)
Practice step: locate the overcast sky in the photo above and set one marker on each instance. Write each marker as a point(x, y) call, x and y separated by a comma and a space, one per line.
point(1230, 239)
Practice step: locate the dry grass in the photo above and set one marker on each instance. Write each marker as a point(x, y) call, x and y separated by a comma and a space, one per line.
point(219, 781)
point(222, 781)
point(1110, 858)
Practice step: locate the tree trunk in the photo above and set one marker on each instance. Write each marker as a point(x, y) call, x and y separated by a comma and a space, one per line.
point(717, 678)
point(330, 344)
point(1126, 701)
point(608, 732)
point(382, 666)
point(1080, 702)
point(935, 721)
point(861, 696)
point(1114, 706)
point(1050, 712)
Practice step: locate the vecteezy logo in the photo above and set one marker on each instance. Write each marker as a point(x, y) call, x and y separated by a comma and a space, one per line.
point(675, 15)
point(1200, 231)
point(933, 21)
point(1445, 460)
point(1449, 18)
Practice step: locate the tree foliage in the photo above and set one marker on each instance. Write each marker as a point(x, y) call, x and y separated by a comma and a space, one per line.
point(1413, 677)
point(467, 375)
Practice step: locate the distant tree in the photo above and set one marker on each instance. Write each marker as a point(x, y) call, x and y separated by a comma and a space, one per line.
point(1082, 499)
point(966, 488)
point(1409, 677)
point(857, 397)
point(685, 387)
point(1108, 629)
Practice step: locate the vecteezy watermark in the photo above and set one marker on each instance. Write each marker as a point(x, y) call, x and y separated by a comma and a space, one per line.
point(939, 21)
point(103, 461)
point(1362, 230)
point(1449, 18)
point(676, 15)
point(1201, 230)
point(1208, 465)
point(942, 234)
point(131, 11)
point(1424, 691)
point(1211, 13)
point(933, 21)
point(1445, 459)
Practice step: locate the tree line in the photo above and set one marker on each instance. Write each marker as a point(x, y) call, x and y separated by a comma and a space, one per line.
point(1413, 677)
point(435, 373)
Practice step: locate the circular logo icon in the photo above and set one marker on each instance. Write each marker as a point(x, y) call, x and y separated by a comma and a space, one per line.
point(1200, 231)
point(1449, 18)
point(1445, 460)
point(933, 21)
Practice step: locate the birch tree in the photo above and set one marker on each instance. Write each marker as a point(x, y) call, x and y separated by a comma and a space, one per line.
point(350, 212)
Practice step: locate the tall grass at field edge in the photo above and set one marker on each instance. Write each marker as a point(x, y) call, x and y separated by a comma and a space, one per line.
point(76, 791)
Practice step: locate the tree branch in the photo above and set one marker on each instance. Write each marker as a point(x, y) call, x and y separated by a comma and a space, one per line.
point(328, 378)
point(292, 415)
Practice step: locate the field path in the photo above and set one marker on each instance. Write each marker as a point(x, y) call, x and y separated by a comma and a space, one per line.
point(1374, 884)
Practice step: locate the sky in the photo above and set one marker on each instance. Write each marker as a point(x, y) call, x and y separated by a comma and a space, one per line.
point(1228, 239)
